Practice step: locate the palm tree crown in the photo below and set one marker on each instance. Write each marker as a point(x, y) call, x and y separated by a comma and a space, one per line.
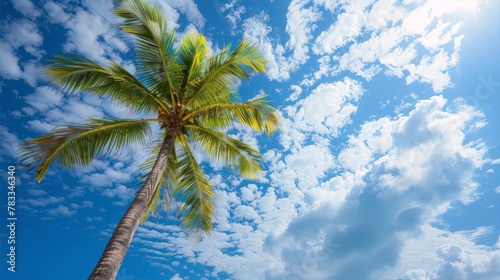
point(189, 92)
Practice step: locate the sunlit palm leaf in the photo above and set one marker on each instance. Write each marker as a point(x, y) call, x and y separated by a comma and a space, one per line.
point(256, 114)
point(157, 58)
point(193, 54)
point(195, 192)
point(77, 145)
point(222, 148)
point(75, 74)
point(225, 69)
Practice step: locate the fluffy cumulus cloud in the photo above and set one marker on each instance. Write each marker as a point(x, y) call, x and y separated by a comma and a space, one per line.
point(176, 277)
point(455, 256)
point(233, 13)
point(362, 37)
point(92, 34)
point(256, 28)
point(10, 143)
point(432, 51)
point(284, 59)
point(44, 98)
point(327, 108)
point(190, 9)
point(123, 193)
point(19, 36)
point(26, 7)
point(419, 165)
point(90, 29)
point(300, 23)
point(61, 210)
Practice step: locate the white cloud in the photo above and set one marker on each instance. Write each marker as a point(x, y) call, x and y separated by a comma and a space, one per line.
point(43, 98)
point(56, 12)
point(92, 36)
point(121, 192)
point(107, 178)
point(39, 126)
point(250, 192)
point(61, 210)
point(176, 277)
point(440, 254)
point(43, 201)
point(36, 192)
point(327, 108)
point(234, 13)
point(9, 68)
point(389, 37)
point(297, 90)
point(26, 7)
point(9, 144)
point(23, 33)
point(409, 177)
point(477, 234)
point(246, 213)
point(320, 116)
point(256, 29)
point(344, 31)
point(190, 9)
point(374, 138)
point(15, 35)
point(73, 111)
point(300, 24)
point(303, 168)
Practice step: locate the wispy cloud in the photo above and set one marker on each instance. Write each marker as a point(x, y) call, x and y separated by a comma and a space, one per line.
point(19, 34)
point(26, 7)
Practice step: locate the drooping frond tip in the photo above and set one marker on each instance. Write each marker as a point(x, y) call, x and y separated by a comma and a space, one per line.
point(77, 145)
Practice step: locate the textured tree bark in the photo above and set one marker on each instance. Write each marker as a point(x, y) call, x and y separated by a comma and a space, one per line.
point(114, 253)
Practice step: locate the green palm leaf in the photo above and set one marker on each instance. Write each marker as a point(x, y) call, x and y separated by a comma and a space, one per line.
point(76, 73)
point(256, 114)
point(157, 59)
point(222, 148)
point(225, 69)
point(193, 54)
point(195, 192)
point(77, 145)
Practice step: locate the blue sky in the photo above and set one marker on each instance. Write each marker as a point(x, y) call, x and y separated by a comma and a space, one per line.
point(386, 166)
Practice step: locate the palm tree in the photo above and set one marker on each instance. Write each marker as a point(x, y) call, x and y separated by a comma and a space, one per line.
point(193, 97)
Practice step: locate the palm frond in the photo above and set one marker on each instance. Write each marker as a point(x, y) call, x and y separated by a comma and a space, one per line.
point(256, 114)
point(193, 55)
point(240, 156)
point(224, 71)
point(195, 192)
point(77, 145)
point(157, 59)
point(163, 196)
point(75, 73)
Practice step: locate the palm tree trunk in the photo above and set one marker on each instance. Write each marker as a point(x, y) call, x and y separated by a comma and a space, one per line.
point(114, 253)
